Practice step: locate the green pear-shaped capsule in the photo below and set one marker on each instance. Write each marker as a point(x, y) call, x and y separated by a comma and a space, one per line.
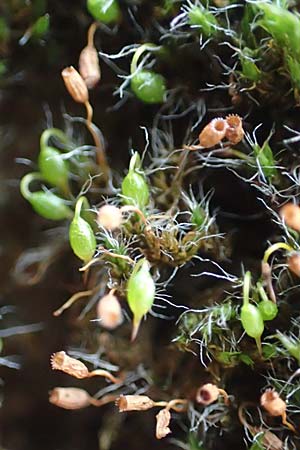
point(140, 293)
point(81, 235)
point(268, 309)
point(135, 189)
point(251, 317)
point(252, 321)
point(53, 167)
point(106, 11)
point(46, 204)
point(149, 86)
point(50, 206)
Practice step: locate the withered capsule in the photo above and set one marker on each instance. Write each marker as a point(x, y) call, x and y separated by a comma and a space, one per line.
point(71, 366)
point(69, 398)
point(109, 217)
point(163, 419)
point(109, 312)
point(272, 403)
point(275, 406)
point(213, 133)
point(134, 403)
point(234, 132)
point(207, 394)
point(293, 262)
point(290, 214)
point(89, 67)
point(75, 85)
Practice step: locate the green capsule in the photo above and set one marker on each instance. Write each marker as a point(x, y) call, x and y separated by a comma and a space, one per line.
point(81, 235)
point(149, 86)
point(135, 189)
point(203, 19)
point(252, 321)
point(46, 204)
point(106, 11)
point(268, 309)
point(140, 293)
point(50, 206)
point(53, 167)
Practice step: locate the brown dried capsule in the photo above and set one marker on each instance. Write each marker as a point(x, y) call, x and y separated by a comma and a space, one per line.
point(275, 406)
point(134, 403)
point(293, 262)
point(109, 312)
point(209, 393)
point(75, 85)
point(163, 419)
point(290, 214)
point(65, 363)
point(213, 133)
point(109, 217)
point(234, 132)
point(89, 66)
point(272, 403)
point(69, 398)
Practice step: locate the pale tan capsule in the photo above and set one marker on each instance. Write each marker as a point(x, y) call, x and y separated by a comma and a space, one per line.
point(109, 312)
point(163, 419)
point(293, 262)
point(134, 403)
point(207, 394)
point(213, 133)
point(290, 214)
point(272, 403)
point(75, 85)
point(69, 398)
point(61, 361)
point(234, 132)
point(110, 217)
point(89, 67)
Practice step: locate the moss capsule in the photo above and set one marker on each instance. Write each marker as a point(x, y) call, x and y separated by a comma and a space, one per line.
point(140, 293)
point(252, 321)
point(268, 309)
point(106, 11)
point(46, 204)
point(293, 263)
point(53, 167)
point(81, 235)
point(148, 86)
point(134, 186)
point(213, 132)
point(290, 214)
point(251, 317)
